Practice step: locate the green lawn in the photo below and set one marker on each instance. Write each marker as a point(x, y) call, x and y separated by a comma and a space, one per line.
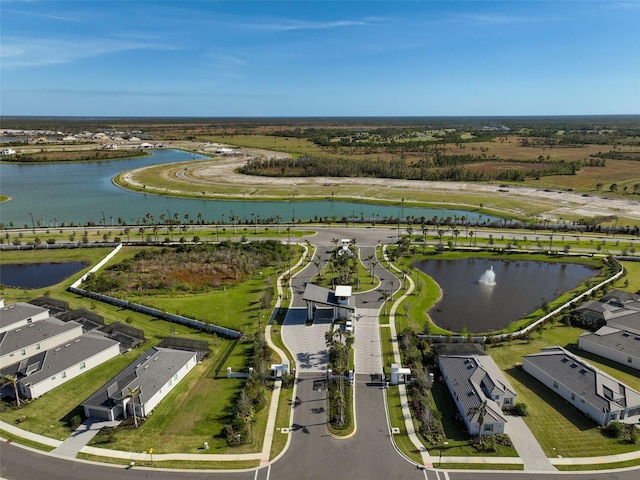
point(283, 420)
point(195, 412)
point(396, 420)
point(559, 428)
point(48, 415)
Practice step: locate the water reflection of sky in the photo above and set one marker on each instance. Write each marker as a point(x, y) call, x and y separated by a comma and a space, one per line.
point(37, 275)
point(80, 192)
point(521, 287)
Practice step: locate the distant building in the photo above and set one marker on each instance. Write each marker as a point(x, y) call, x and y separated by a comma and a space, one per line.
point(593, 392)
point(479, 390)
point(225, 151)
point(152, 376)
point(7, 151)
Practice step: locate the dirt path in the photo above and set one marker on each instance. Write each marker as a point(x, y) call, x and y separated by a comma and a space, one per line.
point(561, 204)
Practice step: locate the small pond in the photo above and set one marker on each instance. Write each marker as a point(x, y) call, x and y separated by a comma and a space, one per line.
point(37, 275)
point(483, 295)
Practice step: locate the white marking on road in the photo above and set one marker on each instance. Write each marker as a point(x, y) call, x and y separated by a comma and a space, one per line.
point(255, 477)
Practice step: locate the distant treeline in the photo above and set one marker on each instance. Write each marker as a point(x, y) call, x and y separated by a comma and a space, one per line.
point(436, 168)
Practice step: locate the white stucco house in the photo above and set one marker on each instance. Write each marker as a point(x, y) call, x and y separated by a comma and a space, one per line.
point(26, 341)
point(479, 390)
point(20, 314)
point(152, 376)
point(46, 371)
point(618, 345)
point(593, 392)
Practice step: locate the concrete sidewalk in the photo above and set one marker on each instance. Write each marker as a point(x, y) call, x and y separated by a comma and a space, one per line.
point(427, 460)
point(82, 436)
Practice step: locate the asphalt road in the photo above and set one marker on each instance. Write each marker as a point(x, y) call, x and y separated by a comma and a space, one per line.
point(313, 453)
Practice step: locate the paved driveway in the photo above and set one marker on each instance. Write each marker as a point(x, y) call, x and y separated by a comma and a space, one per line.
point(368, 352)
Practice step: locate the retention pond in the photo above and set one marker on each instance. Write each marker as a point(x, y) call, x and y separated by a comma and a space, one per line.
point(482, 295)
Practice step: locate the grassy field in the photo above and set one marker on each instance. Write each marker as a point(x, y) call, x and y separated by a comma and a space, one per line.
point(48, 415)
point(396, 420)
point(198, 408)
point(559, 428)
point(193, 413)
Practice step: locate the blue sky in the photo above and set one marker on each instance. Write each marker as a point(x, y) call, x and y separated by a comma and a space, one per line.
point(319, 58)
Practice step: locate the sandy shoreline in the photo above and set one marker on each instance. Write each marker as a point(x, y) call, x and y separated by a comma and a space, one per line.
point(561, 203)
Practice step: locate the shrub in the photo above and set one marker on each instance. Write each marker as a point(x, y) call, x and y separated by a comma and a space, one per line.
point(74, 422)
point(616, 429)
point(521, 409)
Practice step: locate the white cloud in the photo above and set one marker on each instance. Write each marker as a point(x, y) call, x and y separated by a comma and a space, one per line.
point(20, 52)
point(498, 19)
point(41, 15)
point(286, 25)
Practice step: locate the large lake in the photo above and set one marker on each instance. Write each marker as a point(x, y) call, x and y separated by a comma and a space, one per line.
point(520, 288)
point(80, 192)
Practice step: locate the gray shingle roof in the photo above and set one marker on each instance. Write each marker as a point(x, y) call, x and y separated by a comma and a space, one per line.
point(474, 379)
point(66, 356)
point(33, 333)
point(580, 377)
point(615, 339)
point(151, 371)
point(17, 312)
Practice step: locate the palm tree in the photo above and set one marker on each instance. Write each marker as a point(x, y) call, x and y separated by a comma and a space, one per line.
point(13, 380)
point(481, 411)
point(133, 393)
point(286, 283)
point(384, 296)
point(372, 266)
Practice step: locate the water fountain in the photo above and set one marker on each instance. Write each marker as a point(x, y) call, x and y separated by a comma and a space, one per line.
point(488, 277)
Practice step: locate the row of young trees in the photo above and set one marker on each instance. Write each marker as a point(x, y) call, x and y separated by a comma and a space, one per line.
point(436, 168)
point(339, 342)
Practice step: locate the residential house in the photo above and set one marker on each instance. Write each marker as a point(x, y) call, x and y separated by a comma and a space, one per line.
point(479, 390)
point(142, 385)
point(618, 345)
point(593, 392)
point(613, 306)
point(47, 370)
point(29, 340)
point(18, 315)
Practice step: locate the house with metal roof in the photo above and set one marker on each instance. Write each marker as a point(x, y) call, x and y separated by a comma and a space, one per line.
point(20, 314)
point(47, 370)
point(29, 340)
point(150, 378)
point(593, 392)
point(479, 390)
point(618, 345)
